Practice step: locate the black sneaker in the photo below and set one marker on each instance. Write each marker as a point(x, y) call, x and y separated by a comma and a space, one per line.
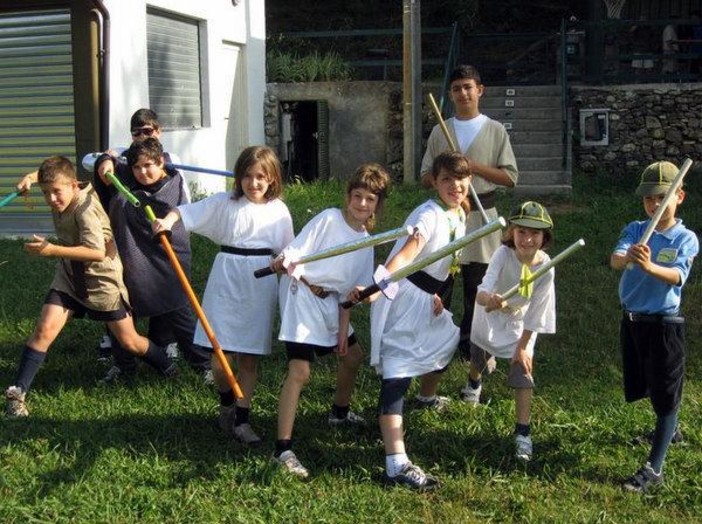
point(412, 477)
point(643, 480)
point(647, 438)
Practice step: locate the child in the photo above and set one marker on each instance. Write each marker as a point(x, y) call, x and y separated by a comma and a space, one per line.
point(239, 307)
point(509, 330)
point(153, 285)
point(88, 278)
point(413, 335)
point(652, 331)
point(312, 323)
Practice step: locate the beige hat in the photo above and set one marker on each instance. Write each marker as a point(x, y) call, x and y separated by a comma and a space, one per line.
point(657, 178)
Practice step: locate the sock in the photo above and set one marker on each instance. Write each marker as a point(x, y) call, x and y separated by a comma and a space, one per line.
point(522, 429)
point(241, 415)
point(282, 445)
point(428, 399)
point(30, 362)
point(156, 357)
point(340, 412)
point(662, 435)
point(394, 463)
point(226, 398)
point(474, 384)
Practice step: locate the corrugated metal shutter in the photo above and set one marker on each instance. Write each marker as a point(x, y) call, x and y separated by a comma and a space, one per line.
point(174, 69)
point(36, 102)
point(323, 139)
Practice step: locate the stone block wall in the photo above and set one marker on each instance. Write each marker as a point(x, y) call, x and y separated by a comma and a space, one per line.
point(646, 123)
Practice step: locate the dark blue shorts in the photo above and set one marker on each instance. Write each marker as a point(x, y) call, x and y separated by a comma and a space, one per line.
point(308, 352)
point(59, 298)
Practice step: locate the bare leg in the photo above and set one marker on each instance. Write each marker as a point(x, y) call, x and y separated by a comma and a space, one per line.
point(346, 375)
point(247, 374)
point(298, 376)
point(52, 320)
point(391, 430)
point(522, 399)
point(127, 336)
point(428, 384)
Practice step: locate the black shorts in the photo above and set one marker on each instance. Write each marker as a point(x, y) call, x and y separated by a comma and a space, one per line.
point(653, 357)
point(302, 351)
point(59, 298)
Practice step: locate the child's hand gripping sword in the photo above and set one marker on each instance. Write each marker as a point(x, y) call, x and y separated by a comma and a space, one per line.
point(163, 238)
point(9, 198)
point(292, 263)
point(677, 184)
point(453, 147)
point(524, 286)
point(388, 282)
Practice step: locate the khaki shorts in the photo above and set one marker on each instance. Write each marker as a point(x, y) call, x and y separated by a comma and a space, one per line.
point(516, 379)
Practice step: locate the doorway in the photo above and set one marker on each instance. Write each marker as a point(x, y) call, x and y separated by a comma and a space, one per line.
point(305, 139)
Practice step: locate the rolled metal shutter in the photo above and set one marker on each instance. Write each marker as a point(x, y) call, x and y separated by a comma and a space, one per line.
point(36, 103)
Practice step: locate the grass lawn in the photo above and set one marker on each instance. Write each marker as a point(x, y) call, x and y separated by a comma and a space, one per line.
point(153, 453)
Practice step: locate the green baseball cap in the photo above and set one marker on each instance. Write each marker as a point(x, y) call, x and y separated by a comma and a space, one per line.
point(531, 214)
point(657, 178)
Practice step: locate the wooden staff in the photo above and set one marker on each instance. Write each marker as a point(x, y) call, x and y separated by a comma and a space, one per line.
point(453, 147)
point(677, 183)
point(194, 302)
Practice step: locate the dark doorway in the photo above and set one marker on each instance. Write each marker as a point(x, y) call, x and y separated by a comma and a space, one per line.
point(304, 136)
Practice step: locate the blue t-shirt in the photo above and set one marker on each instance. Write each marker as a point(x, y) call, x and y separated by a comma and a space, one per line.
point(676, 247)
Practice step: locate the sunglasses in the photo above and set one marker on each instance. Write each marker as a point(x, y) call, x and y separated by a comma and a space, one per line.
point(146, 131)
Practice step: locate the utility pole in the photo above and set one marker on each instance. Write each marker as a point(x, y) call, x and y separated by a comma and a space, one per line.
point(411, 88)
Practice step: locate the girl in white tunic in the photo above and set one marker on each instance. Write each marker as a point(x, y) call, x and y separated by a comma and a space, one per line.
point(312, 323)
point(509, 329)
point(251, 225)
point(413, 335)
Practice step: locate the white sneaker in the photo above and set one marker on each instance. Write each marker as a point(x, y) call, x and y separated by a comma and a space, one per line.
point(208, 378)
point(15, 405)
point(524, 448)
point(351, 418)
point(172, 350)
point(291, 464)
point(245, 434)
point(436, 403)
point(470, 395)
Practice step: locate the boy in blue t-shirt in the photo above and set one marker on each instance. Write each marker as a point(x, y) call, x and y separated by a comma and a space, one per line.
point(652, 331)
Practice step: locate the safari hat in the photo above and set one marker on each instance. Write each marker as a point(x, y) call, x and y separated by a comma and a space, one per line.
point(531, 214)
point(657, 178)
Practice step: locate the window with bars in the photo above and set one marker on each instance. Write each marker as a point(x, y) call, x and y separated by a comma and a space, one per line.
point(177, 83)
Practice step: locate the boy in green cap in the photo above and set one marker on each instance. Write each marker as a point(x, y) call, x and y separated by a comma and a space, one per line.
point(652, 331)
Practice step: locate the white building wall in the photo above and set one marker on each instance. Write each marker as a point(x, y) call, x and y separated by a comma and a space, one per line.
point(239, 28)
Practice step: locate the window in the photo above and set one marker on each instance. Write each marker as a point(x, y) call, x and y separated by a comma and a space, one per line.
point(176, 74)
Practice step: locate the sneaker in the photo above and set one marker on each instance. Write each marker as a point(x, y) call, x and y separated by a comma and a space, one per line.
point(470, 395)
point(245, 434)
point(173, 351)
point(437, 403)
point(171, 371)
point(490, 365)
point(350, 419)
point(524, 447)
point(105, 349)
point(647, 438)
point(643, 480)
point(412, 477)
point(111, 377)
point(226, 418)
point(288, 461)
point(15, 406)
point(208, 378)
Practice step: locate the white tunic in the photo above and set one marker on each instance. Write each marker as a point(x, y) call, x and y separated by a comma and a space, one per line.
point(498, 332)
point(304, 317)
point(239, 307)
point(407, 339)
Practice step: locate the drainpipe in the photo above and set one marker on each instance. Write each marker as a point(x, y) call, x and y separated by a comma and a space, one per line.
point(104, 72)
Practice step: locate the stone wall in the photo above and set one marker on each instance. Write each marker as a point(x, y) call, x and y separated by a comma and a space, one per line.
point(646, 123)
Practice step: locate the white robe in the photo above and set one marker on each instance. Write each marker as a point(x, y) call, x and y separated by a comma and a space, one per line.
point(407, 339)
point(305, 317)
point(239, 307)
point(498, 332)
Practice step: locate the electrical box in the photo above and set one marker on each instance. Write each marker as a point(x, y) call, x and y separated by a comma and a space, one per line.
point(594, 127)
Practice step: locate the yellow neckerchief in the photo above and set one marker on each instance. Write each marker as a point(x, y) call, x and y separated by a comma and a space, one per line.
point(526, 288)
point(456, 217)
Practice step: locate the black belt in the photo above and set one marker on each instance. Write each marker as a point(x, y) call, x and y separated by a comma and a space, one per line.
point(245, 252)
point(425, 282)
point(486, 199)
point(663, 319)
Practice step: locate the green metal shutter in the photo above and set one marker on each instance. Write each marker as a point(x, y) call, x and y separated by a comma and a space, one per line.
point(174, 70)
point(36, 103)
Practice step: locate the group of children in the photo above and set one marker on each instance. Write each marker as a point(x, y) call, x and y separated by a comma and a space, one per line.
point(412, 335)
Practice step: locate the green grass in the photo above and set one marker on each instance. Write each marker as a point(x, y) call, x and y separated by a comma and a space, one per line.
point(153, 453)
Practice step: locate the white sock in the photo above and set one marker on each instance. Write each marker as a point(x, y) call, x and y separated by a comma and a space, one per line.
point(426, 399)
point(394, 463)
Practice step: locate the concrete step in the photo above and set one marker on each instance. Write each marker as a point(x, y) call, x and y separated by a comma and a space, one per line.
point(512, 125)
point(523, 91)
point(497, 102)
point(513, 113)
point(535, 137)
point(528, 163)
point(528, 190)
point(538, 178)
point(553, 148)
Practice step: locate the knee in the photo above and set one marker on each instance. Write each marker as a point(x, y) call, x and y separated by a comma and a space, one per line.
point(354, 357)
point(299, 372)
point(247, 364)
